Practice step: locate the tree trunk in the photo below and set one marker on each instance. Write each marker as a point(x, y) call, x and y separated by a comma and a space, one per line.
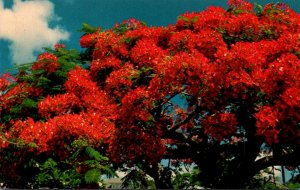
point(228, 166)
point(161, 176)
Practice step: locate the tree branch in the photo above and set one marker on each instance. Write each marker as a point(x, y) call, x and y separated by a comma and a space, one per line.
point(292, 159)
point(187, 119)
point(5, 140)
point(167, 100)
point(178, 153)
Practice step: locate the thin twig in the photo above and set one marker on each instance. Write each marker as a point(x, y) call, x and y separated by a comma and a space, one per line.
point(10, 142)
point(187, 119)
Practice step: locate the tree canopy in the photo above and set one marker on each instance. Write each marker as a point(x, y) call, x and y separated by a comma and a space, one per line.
point(215, 89)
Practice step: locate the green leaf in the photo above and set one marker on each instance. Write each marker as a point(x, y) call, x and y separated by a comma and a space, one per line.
point(22, 67)
point(92, 176)
point(298, 52)
point(16, 109)
point(183, 18)
point(121, 29)
point(56, 89)
point(88, 29)
point(90, 162)
point(27, 78)
point(29, 103)
point(50, 164)
point(143, 23)
point(135, 179)
point(110, 173)
point(95, 154)
point(42, 82)
point(79, 143)
point(258, 9)
point(38, 72)
point(6, 118)
point(33, 145)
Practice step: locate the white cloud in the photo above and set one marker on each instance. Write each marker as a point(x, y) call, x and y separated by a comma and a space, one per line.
point(26, 26)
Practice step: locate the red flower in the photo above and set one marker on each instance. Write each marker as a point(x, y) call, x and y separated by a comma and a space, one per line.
point(266, 122)
point(292, 97)
point(240, 5)
point(57, 46)
point(88, 40)
point(60, 104)
point(147, 53)
point(220, 126)
point(47, 62)
point(4, 82)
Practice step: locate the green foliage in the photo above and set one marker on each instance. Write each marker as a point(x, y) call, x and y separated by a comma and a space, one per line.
point(135, 179)
point(67, 59)
point(189, 22)
point(27, 104)
point(143, 76)
point(293, 185)
point(98, 163)
point(95, 154)
point(92, 176)
point(32, 145)
point(264, 180)
point(54, 173)
point(121, 29)
point(79, 143)
point(187, 179)
point(88, 29)
point(21, 67)
point(258, 9)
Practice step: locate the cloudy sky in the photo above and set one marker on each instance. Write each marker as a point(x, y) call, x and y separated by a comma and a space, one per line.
point(26, 26)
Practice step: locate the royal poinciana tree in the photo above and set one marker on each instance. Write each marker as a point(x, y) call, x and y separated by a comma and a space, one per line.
point(216, 89)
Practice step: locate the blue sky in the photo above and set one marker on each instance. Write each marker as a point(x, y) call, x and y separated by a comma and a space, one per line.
point(28, 25)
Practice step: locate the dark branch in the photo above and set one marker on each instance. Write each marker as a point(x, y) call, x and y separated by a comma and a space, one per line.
point(187, 119)
point(292, 159)
point(166, 101)
point(178, 153)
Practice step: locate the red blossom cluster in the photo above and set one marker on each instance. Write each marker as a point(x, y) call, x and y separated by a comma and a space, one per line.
point(57, 47)
point(13, 97)
point(215, 57)
point(240, 5)
point(57, 105)
point(267, 119)
point(220, 126)
point(5, 80)
point(83, 111)
point(47, 62)
point(88, 40)
point(47, 135)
